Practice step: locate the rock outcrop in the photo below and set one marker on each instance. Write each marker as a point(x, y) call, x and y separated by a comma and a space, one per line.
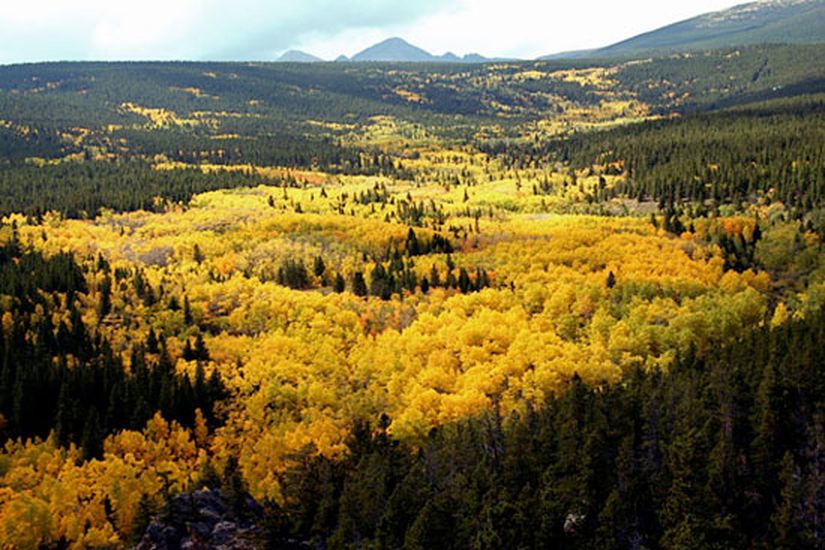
point(204, 519)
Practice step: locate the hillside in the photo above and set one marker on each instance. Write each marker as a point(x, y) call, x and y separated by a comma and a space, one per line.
point(545, 304)
point(326, 115)
point(762, 22)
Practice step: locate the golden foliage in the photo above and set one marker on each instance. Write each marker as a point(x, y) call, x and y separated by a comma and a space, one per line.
point(303, 365)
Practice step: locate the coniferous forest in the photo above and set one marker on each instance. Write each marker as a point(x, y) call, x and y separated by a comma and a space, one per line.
point(538, 304)
point(717, 452)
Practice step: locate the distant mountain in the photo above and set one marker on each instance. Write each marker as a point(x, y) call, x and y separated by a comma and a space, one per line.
point(475, 58)
point(393, 49)
point(399, 50)
point(765, 21)
point(296, 56)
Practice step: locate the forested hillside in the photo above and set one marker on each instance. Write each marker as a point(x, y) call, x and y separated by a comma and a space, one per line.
point(760, 22)
point(770, 151)
point(720, 452)
point(415, 306)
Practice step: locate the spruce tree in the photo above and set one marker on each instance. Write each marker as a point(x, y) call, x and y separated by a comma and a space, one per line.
point(338, 285)
point(359, 286)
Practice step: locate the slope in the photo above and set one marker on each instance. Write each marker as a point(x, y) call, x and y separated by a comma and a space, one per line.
point(765, 21)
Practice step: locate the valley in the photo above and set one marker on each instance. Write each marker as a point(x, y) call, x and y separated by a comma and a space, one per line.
point(416, 305)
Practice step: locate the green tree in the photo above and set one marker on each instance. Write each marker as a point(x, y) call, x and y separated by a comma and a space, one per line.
point(359, 285)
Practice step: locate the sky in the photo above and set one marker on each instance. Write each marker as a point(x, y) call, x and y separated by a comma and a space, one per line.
point(260, 30)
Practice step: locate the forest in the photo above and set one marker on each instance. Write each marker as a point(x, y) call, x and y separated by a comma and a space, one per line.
point(772, 149)
point(720, 452)
point(517, 304)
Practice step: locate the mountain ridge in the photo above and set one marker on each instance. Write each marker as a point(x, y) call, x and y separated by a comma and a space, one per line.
point(763, 21)
point(390, 50)
point(397, 49)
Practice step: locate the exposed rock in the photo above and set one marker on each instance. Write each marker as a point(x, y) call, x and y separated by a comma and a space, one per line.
point(572, 522)
point(204, 519)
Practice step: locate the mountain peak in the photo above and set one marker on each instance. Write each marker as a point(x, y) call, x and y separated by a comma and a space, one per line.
point(297, 56)
point(398, 50)
point(394, 41)
point(393, 49)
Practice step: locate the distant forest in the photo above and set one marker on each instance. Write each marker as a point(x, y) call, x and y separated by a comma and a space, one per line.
point(773, 149)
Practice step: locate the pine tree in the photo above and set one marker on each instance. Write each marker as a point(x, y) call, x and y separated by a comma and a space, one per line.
point(464, 281)
point(187, 311)
point(234, 488)
point(318, 266)
point(152, 342)
point(200, 352)
point(435, 277)
point(611, 280)
point(381, 283)
point(91, 443)
point(338, 285)
point(359, 286)
point(412, 246)
point(105, 304)
point(789, 521)
point(63, 420)
point(188, 353)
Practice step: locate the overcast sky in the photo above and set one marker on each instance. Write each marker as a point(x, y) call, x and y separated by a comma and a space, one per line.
point(49, 30)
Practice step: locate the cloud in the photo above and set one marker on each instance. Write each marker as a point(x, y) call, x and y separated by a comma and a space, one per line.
point(520, 28)
point(39, 30)
point(531, 28)
point(280, 29)
point(187, 29)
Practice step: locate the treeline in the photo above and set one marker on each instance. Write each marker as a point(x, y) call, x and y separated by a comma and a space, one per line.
point(79, 189)
point(725, 451)
point(55, 376)
point(285, 149)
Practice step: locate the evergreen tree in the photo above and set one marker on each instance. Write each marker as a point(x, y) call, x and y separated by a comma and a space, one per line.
point(92, 441)
point(789, 521)
point(318, 266)
point(611, 280)
point(339, 285)
point(187, 311)
point(199, 352)
point(359, 286)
